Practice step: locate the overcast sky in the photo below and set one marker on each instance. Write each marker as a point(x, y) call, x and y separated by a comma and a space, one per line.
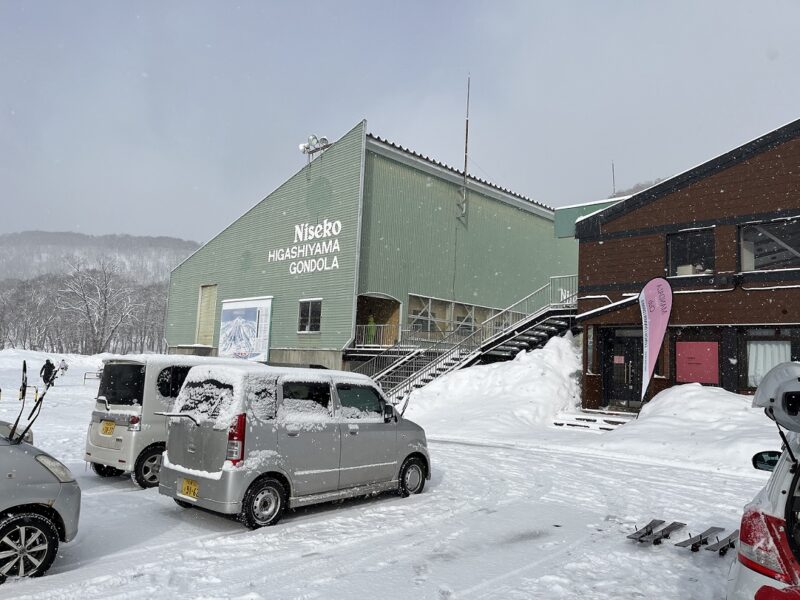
point(173, 118)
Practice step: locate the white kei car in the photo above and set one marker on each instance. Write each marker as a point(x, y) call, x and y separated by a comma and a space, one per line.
point(768, 561)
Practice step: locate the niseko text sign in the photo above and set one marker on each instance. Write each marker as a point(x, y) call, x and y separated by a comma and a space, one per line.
point(315, 248)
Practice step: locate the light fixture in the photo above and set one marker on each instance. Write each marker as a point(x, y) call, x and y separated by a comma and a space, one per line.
point(314, 145)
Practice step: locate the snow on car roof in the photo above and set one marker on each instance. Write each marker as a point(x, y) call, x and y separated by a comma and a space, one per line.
point(231, 371)
point(173, 359)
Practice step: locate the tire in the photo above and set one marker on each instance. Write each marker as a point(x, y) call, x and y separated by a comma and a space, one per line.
point(147, 467)
point(264, 503)
point(106, 471)
point(183, 503)
point(33, 532)
point(412, 477)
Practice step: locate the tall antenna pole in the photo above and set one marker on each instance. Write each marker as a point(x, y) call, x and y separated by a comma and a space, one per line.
point(466, 137)
point(463, 204)
point(613, 181)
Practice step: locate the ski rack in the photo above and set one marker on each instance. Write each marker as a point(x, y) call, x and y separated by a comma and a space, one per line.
point(14, 437)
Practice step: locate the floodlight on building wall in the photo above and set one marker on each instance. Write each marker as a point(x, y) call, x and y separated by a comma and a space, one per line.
point(314, 145)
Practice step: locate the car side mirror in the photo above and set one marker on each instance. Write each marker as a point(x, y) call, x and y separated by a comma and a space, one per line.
point(389, 413)
point(767, 460)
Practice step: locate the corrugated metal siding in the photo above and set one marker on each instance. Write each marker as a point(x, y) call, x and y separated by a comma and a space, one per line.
point(414, 243)
point(237, 259)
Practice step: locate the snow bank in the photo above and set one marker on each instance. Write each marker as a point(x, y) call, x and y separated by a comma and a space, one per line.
point(515, 402)
point(502, 400)
point(699, 426)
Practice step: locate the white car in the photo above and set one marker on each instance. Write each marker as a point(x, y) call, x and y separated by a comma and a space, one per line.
point(769, 536)
point(125, 435)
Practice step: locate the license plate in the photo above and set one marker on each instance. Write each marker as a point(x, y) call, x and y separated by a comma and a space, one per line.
point(189, 488)
point(107, 427)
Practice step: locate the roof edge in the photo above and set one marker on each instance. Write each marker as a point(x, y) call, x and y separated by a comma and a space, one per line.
point(375, 138)
point(590, 226)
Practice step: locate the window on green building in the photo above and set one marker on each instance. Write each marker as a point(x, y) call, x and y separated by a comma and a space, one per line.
point(310, 315)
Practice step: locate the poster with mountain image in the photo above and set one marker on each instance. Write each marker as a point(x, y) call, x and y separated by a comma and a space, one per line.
point(239, 332)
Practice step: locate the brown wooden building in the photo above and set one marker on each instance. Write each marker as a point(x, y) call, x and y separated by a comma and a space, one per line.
point(726, 235)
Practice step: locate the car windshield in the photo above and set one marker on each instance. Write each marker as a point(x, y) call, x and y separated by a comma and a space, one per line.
point(204, 399)
point(122, 383)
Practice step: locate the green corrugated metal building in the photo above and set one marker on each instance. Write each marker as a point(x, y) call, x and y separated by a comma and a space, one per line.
point(366, 241)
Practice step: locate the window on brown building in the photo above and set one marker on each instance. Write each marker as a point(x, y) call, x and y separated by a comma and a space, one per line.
point(765, 347)
point(767, 246)
point(691, 252)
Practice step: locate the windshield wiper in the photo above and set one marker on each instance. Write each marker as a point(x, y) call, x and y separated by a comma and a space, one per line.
point(179, 415)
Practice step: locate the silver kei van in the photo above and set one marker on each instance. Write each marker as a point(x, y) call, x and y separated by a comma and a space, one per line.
point(125, 435)
point(40, 505)
point(253, 441)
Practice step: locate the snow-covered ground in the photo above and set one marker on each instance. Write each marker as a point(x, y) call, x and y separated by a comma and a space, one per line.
point(516, 508)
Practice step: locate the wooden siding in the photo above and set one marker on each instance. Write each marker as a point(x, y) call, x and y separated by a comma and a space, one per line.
point(237, 259)
point(766, 182)
point(721, 307)
point(632, 248)
point(628, 259)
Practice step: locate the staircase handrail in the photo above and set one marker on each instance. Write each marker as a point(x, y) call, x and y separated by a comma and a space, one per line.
point(384, 360)
point(508, 318)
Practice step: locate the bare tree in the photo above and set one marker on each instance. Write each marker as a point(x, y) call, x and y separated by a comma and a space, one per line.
point(100, 300)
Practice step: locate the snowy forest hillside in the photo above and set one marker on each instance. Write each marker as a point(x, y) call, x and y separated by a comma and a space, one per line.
point(75, 293)
point(143, 259)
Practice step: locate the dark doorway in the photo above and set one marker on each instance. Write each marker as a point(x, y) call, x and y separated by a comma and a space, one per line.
point(377, 322)
point(622, 368)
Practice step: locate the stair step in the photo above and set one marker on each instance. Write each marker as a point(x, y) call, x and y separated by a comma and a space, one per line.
point(515, 343)
point(591, 420)
point(524, 337)
point(506, 348)
point(502, 355)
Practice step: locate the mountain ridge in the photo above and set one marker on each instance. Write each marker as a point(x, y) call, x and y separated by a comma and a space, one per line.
point(145, 259)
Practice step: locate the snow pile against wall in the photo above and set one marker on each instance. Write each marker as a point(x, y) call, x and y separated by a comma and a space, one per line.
point(695, 425)
point(502, 400)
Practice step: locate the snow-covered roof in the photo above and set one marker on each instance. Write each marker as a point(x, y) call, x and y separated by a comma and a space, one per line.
point(171, 359)
point(607, 308)
point(238, 369)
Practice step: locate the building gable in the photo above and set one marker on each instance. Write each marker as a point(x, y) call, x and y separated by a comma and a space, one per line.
point(701, 194)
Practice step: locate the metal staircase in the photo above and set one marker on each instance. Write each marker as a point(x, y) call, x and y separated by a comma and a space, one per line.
point(525, 325)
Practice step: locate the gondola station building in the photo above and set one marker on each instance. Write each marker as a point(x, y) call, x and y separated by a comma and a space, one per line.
point(366, 242)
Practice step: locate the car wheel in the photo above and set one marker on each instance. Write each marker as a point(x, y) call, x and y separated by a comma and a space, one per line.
point(183, 503)
point(412, 477)
point(263, 503)
point(147, 467)
point(28, 545)
point(105, 470)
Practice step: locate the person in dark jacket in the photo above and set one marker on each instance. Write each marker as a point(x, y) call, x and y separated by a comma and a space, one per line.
point(48, 372)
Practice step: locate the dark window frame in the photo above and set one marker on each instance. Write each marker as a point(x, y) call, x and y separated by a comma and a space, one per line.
point(766, 225)
point(687, 239)
point(745, 335)
point(289, 382)
point(378, 395)
point(175, 383)
point(307, 321)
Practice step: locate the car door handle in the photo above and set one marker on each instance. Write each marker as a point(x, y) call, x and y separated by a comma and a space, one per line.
point(292, 430)
point(352, 429)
